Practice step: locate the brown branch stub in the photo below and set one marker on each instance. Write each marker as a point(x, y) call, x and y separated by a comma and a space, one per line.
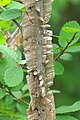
point(39, 58)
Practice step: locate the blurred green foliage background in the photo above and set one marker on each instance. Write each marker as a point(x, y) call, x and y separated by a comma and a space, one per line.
point(68, 83)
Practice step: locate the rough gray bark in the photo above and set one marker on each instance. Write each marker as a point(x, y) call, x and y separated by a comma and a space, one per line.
point(39, 58)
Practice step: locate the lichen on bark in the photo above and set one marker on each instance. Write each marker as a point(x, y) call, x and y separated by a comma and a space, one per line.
point(39, 59)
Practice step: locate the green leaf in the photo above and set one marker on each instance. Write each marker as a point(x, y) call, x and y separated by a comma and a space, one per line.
point(22, 108)
point(8, 99)
point(56, 36)
point(10, 59)
point(5, 24)
point(17, 94)
point(59, 37)
point(19, 54)
point(18, 87)
point(22, 62)
point(3, 66)
point(56, 49)
point(15, 5)
point(2, 39)
point(74, 48)
point(7, 118)
point(26, 94)
point(65, 117)
point(71, 30)
point(67, 109)
point(21, 116)
point(58, 67)
point(13, 76)
point(25, 87)
point(2, 93)
point(68, 35)
point(22, 119)
point(10, 14)
point(9, 53)
point(4, 2)
point(66, 57)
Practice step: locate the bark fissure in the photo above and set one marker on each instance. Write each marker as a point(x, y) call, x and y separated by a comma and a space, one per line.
point(41, 67)
point(39, 58)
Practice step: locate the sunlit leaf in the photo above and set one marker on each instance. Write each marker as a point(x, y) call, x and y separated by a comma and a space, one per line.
point(4, 2)
point(71, 30)
point(5, 24)
point(2, 39)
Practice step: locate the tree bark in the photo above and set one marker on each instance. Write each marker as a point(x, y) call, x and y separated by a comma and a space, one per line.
point(39, 59)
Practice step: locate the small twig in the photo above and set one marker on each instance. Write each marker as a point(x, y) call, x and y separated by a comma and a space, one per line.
point(18, 99)
point(63, 50)
point(1, 7)
point(12, 36)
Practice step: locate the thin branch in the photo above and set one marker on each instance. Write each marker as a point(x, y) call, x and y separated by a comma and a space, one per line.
point(1, 7)
point(17, 24)
point(18, 99)
point(12, 36)
point(63, 50)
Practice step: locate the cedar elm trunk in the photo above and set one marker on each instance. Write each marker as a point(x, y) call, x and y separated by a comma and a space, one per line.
point(39, 59)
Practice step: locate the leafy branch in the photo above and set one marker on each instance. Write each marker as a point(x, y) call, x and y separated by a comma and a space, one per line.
point(64, 49)
point(11, 94)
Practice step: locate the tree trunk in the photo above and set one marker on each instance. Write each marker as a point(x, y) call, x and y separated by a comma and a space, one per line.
point(39, 59)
